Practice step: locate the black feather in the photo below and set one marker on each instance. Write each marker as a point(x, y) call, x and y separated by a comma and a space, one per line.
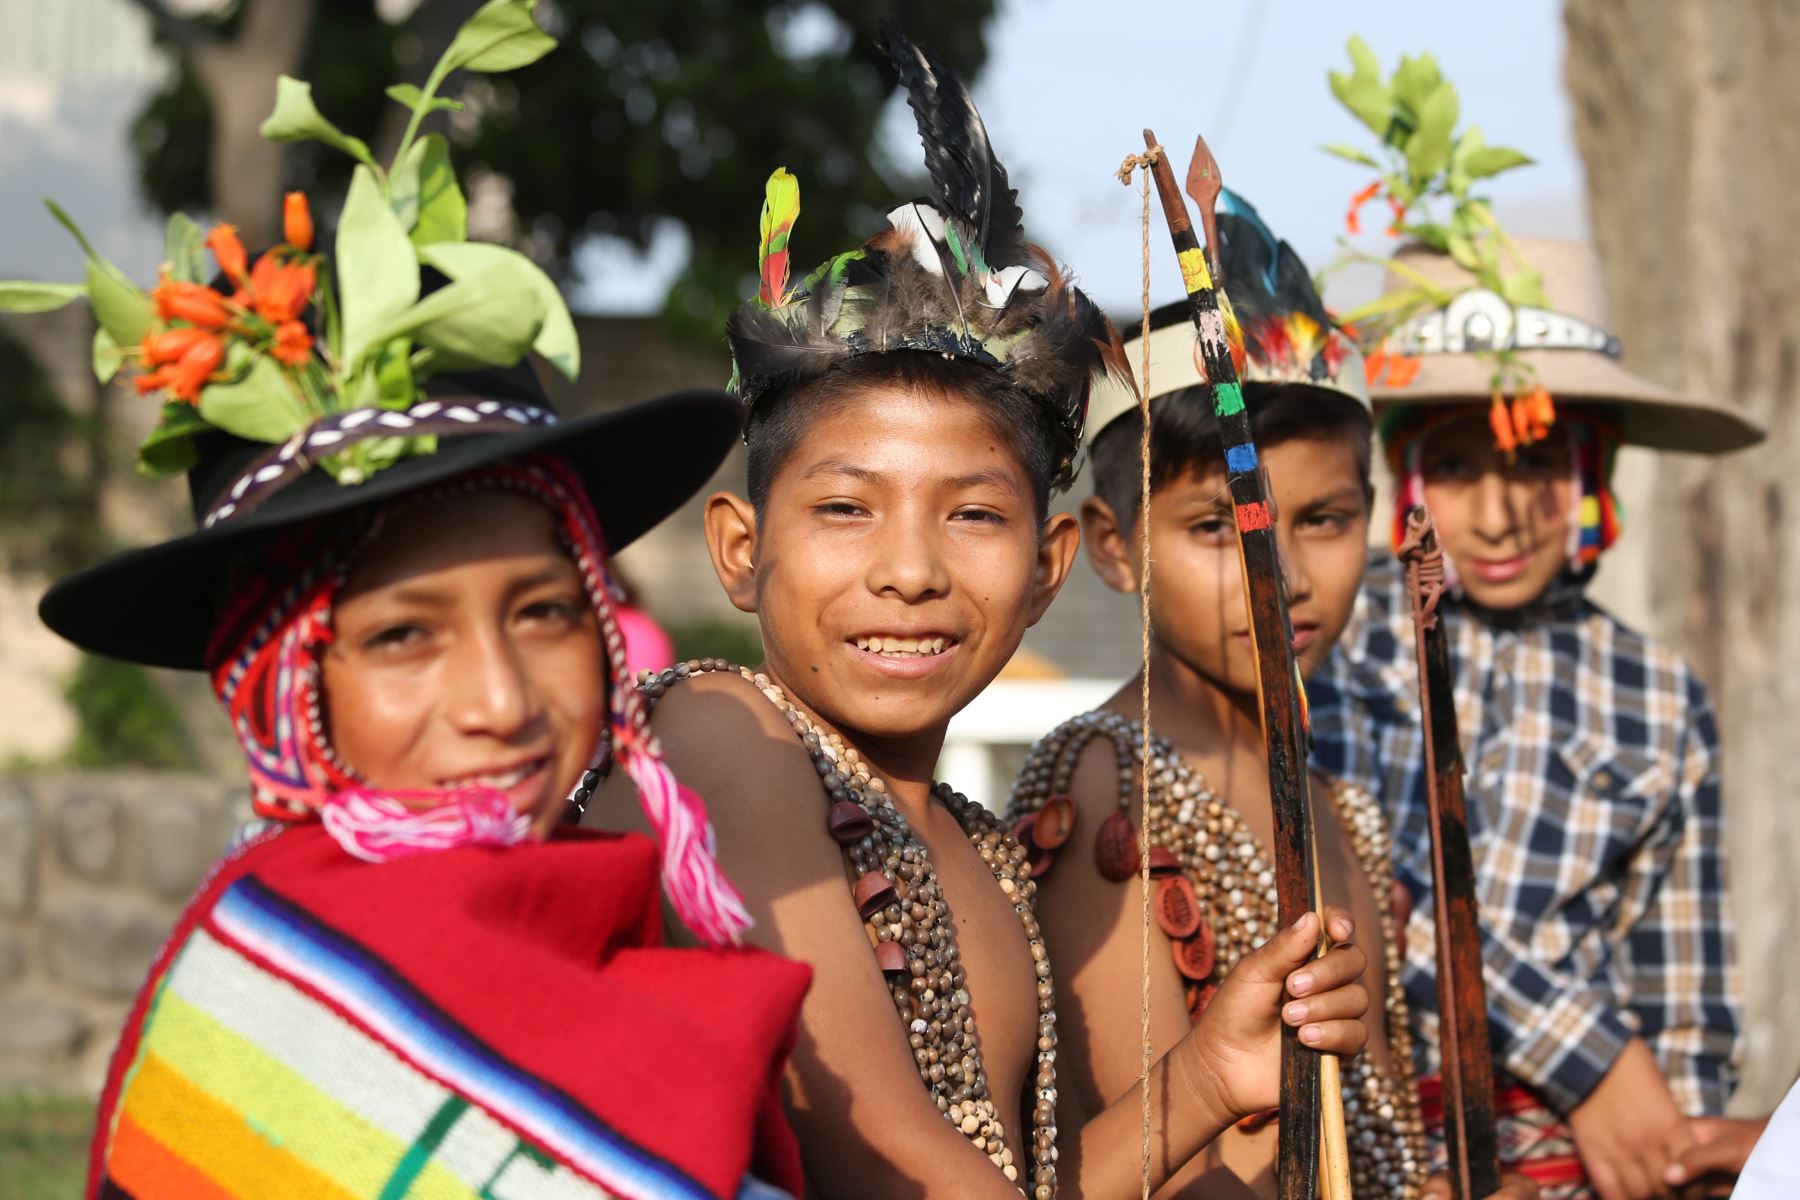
point(1263, 276)
point(971, 183)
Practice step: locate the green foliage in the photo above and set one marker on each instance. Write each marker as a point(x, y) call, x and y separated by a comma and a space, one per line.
point(124, 720)
point(43, 1145)
point(645, 115)
point(716, 637)
point(1427, 171)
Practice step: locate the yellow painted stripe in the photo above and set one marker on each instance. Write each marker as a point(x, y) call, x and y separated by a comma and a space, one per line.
point(1193, 270)
point(282, 1105)
point(217, 1140)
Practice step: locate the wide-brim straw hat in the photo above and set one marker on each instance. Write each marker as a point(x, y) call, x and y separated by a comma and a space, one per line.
point(1568, 346)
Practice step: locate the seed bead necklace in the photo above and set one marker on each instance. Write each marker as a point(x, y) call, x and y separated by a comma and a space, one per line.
point(1215, 899)
point(914, 939)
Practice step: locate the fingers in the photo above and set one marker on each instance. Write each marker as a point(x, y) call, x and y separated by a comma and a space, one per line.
point(1339, 925)
point(1347, 1003)
point(1436, 1188)
point(1343, 965)
point(1287, 951)
point(1342, 1038)
point(1512, 1187)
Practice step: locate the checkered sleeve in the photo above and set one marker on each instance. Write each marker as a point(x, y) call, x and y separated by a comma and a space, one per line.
point(1679, 957)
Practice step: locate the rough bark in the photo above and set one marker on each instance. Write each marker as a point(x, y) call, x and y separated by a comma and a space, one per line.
point(1688, 119)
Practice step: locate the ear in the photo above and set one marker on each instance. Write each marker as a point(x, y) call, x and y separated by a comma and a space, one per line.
point(1055, 555)
point(731, 540)
point(1112, 559)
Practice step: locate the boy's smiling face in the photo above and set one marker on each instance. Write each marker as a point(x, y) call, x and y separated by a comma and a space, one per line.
point(1503, 521)
point(897, 562)
point(1197, 604)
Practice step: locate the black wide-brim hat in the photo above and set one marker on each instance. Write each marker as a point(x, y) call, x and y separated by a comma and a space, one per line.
point(158, 605)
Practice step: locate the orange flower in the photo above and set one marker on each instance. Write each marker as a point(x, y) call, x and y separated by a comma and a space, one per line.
point(223, 242)
point(1352, 219)
point(1501, 422)
point(169, 345)
point(1399, 211)
point(280, 291)
point(184, 377)
point(293, 344)
point(1401, 370)
point(296, 221)
point(191, 302)
point(1373, 365)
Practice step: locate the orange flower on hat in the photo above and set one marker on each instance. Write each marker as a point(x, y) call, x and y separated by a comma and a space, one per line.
point(1353, 219)
point(194, 303)
point(296, 221)
point(169, 345)
point(280, 291)
point(1401, 370)
point(1374, 365)
point(223, 241)
point(293, 344)
point(184, 377)
point(1500, 421)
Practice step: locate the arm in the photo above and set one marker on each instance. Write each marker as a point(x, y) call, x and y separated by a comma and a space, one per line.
point(866, 1127)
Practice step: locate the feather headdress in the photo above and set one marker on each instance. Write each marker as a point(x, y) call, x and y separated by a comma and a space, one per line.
point(952, 275)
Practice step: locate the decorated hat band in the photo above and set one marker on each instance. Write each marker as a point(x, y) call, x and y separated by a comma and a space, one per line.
point(1480, 319)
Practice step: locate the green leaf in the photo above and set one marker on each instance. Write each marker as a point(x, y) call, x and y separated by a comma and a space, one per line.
point(411, 97)
point(1367, 99)
point(1415, 80)
point(1351, 153)
point(501, 36)
point(556, 340)
point(261, 407)
point(394, 385)
point(182, 243)
point(107, 357)
point(377, 270)
point(1462, 249)
point(122, 309)
point(1430, 234)
point(1492, 160)
point(169, 450)
point(297, 119)
point(1428, 149)
point(426, 195)
point(491, 316)
point(1524, 288)
point(23, 296)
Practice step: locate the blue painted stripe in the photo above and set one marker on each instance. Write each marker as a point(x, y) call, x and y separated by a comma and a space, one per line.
point(1241, 459)
point(369, 989)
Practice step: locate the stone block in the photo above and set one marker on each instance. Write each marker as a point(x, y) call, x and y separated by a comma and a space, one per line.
point(12, 956)
point(18, 848)
point(178, 838)
point(38, 1028)
point(103, 945)
point(88, 832)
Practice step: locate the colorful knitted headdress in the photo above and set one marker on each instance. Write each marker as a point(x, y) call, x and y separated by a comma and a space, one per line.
point(952, 275)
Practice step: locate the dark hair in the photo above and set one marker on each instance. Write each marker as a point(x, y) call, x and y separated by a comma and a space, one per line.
point(1184, 433)
point(781, 418)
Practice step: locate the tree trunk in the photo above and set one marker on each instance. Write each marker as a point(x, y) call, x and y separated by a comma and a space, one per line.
point(1688, 119)
point(239, 79)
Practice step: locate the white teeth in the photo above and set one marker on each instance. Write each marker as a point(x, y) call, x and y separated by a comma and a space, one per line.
point(501, 781)
point(890, 647)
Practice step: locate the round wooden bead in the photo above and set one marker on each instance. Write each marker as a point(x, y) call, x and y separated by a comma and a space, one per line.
point(1055, 822)
point(848, 823)
point(1177, 907)
point(874, 892)
point(1115, 848)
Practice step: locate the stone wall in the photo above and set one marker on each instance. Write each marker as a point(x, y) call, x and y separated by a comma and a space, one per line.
point(94, 870)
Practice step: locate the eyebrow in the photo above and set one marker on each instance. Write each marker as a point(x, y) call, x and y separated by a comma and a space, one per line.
point(437, 597)
point(842, 467)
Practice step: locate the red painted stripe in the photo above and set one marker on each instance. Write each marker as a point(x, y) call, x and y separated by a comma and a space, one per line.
point(1252, 516)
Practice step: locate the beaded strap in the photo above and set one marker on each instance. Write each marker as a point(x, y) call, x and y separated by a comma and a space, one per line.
point(913, 936)
point(1216, 902)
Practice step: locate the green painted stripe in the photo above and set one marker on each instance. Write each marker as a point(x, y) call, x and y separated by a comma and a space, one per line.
point(1228, 399)
point(412, 1163)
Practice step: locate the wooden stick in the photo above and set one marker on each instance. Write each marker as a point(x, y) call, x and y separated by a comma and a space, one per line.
point(1468, 1067)
point(1278, 684)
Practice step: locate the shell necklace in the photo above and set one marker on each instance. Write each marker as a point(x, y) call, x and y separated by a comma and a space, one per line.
point(913, 937)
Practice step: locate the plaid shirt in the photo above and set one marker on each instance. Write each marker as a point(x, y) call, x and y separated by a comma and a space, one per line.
point(1595, 821)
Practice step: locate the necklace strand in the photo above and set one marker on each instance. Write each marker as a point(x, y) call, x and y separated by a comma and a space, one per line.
point(1216, 902)
point(913, 937)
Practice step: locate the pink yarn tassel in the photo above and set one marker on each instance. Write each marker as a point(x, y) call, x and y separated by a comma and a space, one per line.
point(702, 896)
point(378, 827)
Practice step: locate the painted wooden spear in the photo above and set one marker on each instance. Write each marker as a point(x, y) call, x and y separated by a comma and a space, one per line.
point(1271, 638)
point(1467, 1059)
